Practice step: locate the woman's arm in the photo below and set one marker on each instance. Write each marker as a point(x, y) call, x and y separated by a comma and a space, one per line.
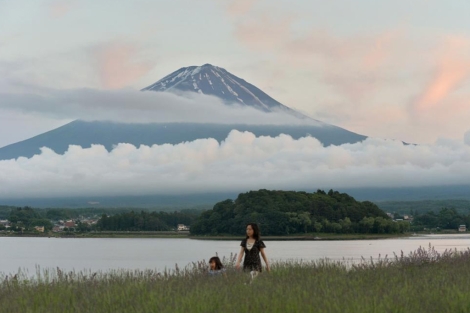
point(263, 254)
point(240, 256)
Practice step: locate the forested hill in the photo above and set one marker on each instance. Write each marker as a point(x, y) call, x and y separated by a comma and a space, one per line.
point(289, 212)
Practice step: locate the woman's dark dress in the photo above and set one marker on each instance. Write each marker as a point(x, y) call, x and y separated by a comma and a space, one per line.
point(252, 261)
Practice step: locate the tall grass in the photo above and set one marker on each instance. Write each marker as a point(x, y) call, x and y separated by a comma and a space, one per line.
point(422, 281)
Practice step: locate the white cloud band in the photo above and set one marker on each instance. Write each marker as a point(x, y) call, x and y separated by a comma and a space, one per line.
point(241, 162)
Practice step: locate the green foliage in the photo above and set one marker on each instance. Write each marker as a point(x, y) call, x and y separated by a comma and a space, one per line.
point(40, 222)
point(289, 212)
point(27, 218)
point(5, 212)
point(445, 219)
point(67, 213)
point(424, 206)
point(145, 221)
point(23, 215)
point(60, 214)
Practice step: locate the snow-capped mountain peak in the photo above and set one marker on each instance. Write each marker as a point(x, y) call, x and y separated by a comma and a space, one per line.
point(216, 81)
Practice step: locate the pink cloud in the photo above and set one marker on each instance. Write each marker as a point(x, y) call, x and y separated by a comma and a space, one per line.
point(380, 49)
point(317, 48)
point(58, 9)
point(355, 66)
point(240, 7)
point(263, 33)
point(365, 80)
point(452, 69)
point(447, 119)
point(119, 64)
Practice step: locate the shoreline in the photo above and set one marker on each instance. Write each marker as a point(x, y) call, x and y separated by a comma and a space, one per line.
point(186, 235)
point(318, 237)
point(173, 235)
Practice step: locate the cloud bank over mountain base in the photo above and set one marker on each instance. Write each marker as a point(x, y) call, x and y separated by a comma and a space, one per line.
point(242, 162)
point(130, 106)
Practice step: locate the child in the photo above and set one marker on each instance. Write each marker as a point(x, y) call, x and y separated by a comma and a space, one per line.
point(251, 247)
point(215, 266)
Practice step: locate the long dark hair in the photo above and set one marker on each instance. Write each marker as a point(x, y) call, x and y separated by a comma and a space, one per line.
point(256, 232)
point(218, 264)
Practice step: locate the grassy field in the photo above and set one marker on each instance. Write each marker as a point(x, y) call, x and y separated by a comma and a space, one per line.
point(423, 281)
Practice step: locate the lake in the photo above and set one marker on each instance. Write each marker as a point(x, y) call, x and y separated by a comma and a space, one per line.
point(104, 254)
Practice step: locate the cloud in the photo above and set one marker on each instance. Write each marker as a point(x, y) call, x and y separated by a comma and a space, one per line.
point(241, 162)
point(240, 7)
point(130, 106)
point(466, 138)
point(262, 33)
point(351, 73)
point(120, 64)
point(60, 8)
point(394, 82)
point(355, 67)
point(452, 70)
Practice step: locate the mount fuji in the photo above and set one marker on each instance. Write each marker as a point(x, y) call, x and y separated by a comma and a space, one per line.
point(215, 81)
point(206, 79)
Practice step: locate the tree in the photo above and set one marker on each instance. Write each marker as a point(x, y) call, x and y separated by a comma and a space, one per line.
point(317, 226)
point(345, 224)
point(366, 225)
point(305, 220)
point(40, 222)
point(83, 227)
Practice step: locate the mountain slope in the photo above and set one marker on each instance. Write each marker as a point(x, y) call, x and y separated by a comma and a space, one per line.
point(109, 134)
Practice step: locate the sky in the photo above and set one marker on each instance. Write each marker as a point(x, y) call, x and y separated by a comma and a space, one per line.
point(390, 69)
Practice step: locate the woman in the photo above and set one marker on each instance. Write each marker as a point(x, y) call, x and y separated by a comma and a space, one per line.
point(252, 246)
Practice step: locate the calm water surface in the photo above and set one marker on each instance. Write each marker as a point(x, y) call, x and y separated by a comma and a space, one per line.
point(158, 253)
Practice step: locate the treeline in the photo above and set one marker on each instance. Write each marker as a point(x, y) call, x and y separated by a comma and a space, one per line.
point(67, 213)
point(26, 218)
point(146, 221)
point(5, 211)
point(420, 207)
point(446, 218)
point(290, 212)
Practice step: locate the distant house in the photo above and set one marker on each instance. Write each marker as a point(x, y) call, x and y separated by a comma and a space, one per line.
point(58, 228)
point(462, 228)
point(89, 221)
point(182, 227)
point(39, 228)
point(69, 224)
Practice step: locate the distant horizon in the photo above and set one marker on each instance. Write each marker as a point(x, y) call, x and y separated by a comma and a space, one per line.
point(375, 195)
